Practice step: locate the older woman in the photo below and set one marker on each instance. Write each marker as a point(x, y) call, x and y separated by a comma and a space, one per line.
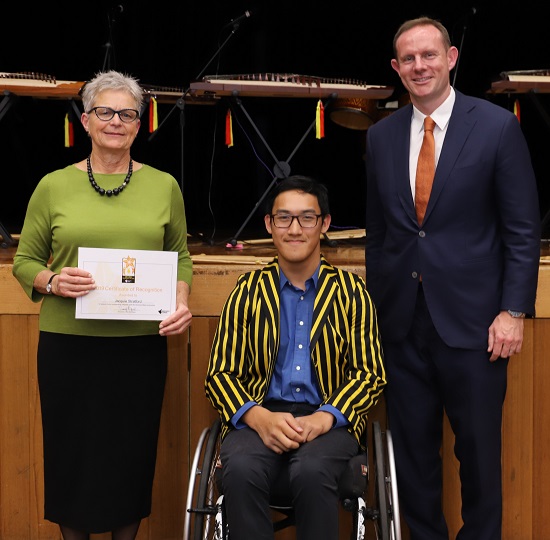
point(101, 381)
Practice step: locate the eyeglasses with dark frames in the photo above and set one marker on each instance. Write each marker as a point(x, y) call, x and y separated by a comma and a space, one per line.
point(106, 113)
point(284, 221)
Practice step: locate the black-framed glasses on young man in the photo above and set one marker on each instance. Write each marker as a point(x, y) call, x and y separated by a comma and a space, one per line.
point(306, 221)
point(106, 113)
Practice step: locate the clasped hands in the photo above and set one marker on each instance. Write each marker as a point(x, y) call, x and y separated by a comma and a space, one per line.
point(282, 432)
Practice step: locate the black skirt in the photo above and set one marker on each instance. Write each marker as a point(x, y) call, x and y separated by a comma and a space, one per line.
point(101, 400)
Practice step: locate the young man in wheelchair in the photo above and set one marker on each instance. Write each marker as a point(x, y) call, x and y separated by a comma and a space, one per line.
point(295, 366)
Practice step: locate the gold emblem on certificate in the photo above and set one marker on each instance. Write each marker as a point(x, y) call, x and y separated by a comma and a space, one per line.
point(128, 270)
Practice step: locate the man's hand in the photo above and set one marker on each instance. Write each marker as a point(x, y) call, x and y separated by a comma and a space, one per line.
point(315, 424)
point(280, 432)
point(505, 336)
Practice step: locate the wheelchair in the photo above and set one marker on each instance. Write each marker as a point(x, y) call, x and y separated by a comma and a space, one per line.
point(378, 503)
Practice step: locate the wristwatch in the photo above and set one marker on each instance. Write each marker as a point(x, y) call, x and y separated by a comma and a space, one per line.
point(516, 314)
point(49, 285)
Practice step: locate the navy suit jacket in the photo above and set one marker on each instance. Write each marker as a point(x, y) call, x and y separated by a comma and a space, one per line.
point(479, 246)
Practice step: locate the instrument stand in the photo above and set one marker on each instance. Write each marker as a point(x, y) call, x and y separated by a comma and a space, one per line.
point(546, 117)
point(7, 240)
point(533, 96)
point(5, 104)
point(281, 169)
point(180, 103)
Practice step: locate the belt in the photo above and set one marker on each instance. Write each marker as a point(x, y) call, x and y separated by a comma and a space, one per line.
point(293, 407)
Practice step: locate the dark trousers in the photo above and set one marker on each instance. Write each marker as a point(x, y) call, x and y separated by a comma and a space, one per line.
point(425, 378)
point(311, 473)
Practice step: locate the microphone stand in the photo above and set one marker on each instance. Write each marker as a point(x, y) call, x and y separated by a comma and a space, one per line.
point(109, 45)
point(180, 103)
point(464, 28)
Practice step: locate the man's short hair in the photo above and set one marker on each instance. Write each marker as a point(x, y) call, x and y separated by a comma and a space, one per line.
point(305, 184)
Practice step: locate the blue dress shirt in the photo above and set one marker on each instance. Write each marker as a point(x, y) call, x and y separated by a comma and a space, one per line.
point(293, 379)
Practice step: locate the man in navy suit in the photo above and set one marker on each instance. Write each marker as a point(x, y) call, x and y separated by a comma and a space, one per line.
point(452, 291)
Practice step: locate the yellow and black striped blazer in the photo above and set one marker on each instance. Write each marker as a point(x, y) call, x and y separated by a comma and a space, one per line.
point(345, 347)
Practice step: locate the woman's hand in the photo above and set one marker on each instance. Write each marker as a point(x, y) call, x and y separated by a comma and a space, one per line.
point(73, 282)
point(69, 282)
point(179, 321)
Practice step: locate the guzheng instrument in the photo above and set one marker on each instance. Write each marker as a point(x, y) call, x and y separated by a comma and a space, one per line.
point(40, 85)
point(286, 85)
point(522, 81)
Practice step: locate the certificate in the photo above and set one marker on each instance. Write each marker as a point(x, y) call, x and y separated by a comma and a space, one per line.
point(131, 284)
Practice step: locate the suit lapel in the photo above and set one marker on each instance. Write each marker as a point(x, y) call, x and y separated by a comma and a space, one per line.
point(401, 139)
point(458, 131)
point(327, 286)
point(269, 301)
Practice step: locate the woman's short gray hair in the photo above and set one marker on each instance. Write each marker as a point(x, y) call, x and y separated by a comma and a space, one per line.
point(111, 80)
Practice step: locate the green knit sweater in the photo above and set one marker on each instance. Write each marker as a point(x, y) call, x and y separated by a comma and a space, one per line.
point(65, 213)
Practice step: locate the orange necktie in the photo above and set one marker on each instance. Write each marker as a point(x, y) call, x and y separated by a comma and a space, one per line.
point(425, 170)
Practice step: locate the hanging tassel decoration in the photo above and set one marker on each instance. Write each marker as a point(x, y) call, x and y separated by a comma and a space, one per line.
point(320, 120)
point(153, 115)
point(517, 109)
point(228, 129)
point(69, 133)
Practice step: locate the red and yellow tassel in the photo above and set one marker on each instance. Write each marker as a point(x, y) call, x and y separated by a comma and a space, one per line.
point(517, 111)
point(228, 129)
point(69, 133)
point(320, 120)
point(153, 115)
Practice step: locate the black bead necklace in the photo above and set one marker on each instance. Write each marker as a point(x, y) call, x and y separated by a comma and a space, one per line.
point(108, 192)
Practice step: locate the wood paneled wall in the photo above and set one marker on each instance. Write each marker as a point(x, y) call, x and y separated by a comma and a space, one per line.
point(526, 431)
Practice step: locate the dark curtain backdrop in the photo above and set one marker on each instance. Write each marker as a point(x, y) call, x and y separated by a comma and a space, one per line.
point(169, 44)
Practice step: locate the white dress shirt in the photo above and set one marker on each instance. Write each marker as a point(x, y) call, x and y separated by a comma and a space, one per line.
point(441, 117)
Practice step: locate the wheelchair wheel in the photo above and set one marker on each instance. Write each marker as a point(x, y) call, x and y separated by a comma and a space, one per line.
point(202, 494)
point(389, 524)
point(394, 496)
point(359, 528)
point(382, 524)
